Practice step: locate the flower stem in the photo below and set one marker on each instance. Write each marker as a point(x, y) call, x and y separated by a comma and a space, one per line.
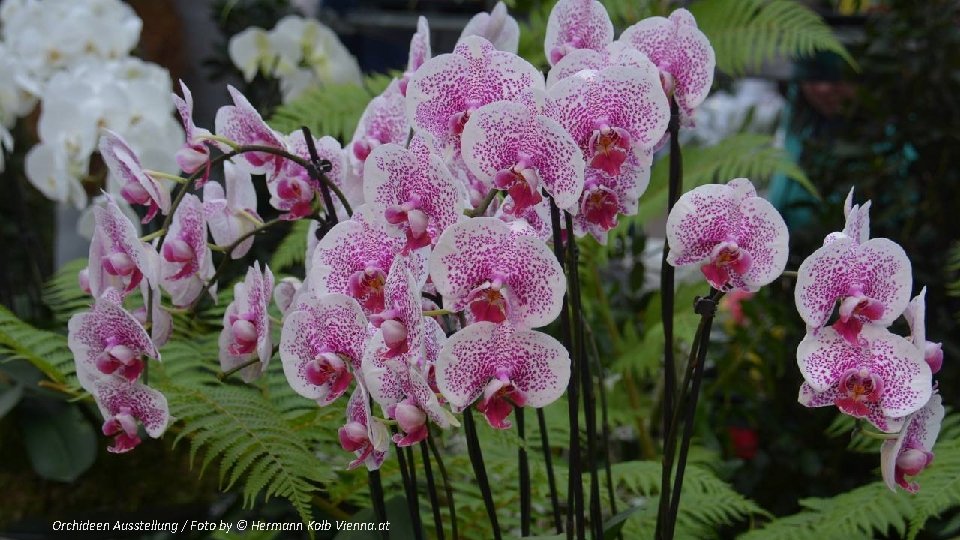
point(706, 308)
point(436, 312)
point(447, 488)
point(524, 467)
point(410, 489)
point(666, 313)
point(432, 490)
point(551, 478)
point(155, 234)
point(376, 498)
point(480, 470)
point(317, 173)
point(223, 375)
point(605, 425)
point(484, 204)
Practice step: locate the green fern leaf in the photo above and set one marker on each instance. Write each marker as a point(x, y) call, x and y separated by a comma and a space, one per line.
point(747, 33)
point(47, 351)
point(940, 488)
point(293, 248)
point(62, 293)
point(331, 110)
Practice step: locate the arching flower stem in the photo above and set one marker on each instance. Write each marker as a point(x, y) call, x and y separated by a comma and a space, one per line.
point(376, 498)
point(480, 470)
point(410, 489)
point(432, 490)
point(524, 466)
point(447, 488)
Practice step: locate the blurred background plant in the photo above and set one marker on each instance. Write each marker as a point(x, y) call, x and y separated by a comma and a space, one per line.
point(793, 107)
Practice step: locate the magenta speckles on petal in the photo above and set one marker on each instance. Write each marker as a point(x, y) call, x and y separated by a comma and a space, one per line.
point(363, 434)
point(124, 404)
point(186, 262)
point(739, 239)
point(242, 124)
point(911, 452)
point(117, 257)
point(246, 324)
point(576, 24)
point(512, 269)
point(194, 153)
point(383, 121)
point(876, 270)
point(531, 366)
point(321, 345)
point(230, 213)
point(592, 104)
point(883, 375)
point(445, 90)
point(414, 193)
point(681, 51)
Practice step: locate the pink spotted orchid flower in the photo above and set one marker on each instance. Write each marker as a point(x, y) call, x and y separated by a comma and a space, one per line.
point(246, 325)
point(497, 274)
point(286, 293)
point(871, 279)
point(383, 121)
point(194, 153)
point(291, 188)
point(614, 54)
point(321, 345)
point(125, 405)
point(576, 24)
point(606, 196)
point(109, 341)
point(448, 88)
point(354, 257)
point(415, 194)
point(117, 257)
point(500, 368)
point(682, 53)
point(136, 186)
point(881, 379)
point(497, 27)
point(613, 114)
point(186, 263)
point(912, 452)
point(738, 239)
point(363, 434)
point(915, 316)
point(161, 321)
point(419, 53)
point(242, 124)
point(522, 152)
point(231, 209)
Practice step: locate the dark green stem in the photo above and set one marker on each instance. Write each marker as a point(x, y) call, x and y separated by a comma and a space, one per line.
point(447, 488)
point(604, 426)
point(484, 204)
point(376, 498)
point(666, 314)
point(410, 487)
point(318, 173)
point(524, 466)
point(480, 470)
point(551, 478)
point(432, 490)
point(231, 371)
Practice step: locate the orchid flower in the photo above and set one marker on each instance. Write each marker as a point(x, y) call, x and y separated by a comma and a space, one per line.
point(354, 257)
point(363, 434)
point(109, 341)
point(871, 280)
point(606, 196)
point(682, 53)
point(912, 452)
point(248, 50)
point(186, 263)
point(286, 293)
point(503, 368)
point(246, 324)
point(194, 153)
point(137, 187)
point(882, 378)
point(234, 214)
point(416, 195)
point(497, 274)
point(857, 226)
point(497, 27)
point(292, 188)
point(520, 151)
point(161, 322)
point(576, 24)
point(242, 124)
point(914, 314)
point(321, 345)
point(738, 238)
point(124, 405)
point(613, 114)
point(383, 121)
point(118, 258)
point(614, 54)
point(419, 53)
point(448, 88)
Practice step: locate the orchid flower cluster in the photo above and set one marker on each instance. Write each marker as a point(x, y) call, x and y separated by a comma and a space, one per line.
point(855, 362)
point(301, 53)
point(73, 58)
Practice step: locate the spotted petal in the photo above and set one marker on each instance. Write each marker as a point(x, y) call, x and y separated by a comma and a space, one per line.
point(679, 49)
point(242, 124)
point(614, 54)
point(251, 302)
point(828, 398)
point(383, 121)
point(919, 433)
point(576, 24)
point(140, 401)
point(373, 449)
point(497, 27)
point(224, 212)
point(535, 363)
point(504, 135)
point(186, 263)
point(137, 186)
point(114, 234)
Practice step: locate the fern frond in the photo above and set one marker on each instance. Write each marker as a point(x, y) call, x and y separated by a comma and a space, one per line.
point(747, 33)
point(292, 249)
point(62, 293)
point(331, 110)
point(47, 351)
point(940, 488)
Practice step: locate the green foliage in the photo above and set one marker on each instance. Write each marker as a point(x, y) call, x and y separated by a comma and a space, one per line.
point(47, 351)
point(331, 110)
point(292, 250)
point(747, 33)
point(62, 293)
